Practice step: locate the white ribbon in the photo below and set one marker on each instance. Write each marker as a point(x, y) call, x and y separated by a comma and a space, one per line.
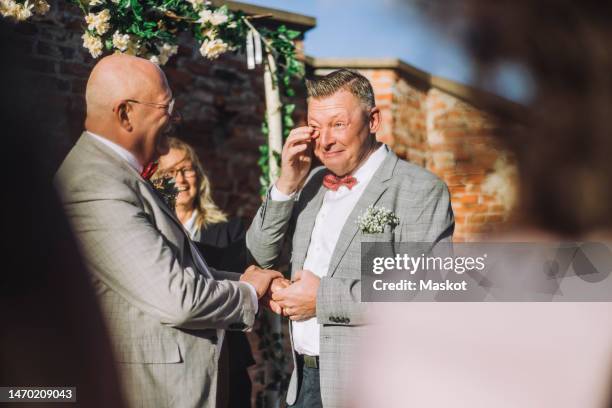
point(257, 41)
point(250, 50)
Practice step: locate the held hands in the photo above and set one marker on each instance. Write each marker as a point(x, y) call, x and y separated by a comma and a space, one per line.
point(297, 300)
point(296, 159)
point(259, 278)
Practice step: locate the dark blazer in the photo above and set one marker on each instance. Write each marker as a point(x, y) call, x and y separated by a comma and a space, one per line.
point(223, 246)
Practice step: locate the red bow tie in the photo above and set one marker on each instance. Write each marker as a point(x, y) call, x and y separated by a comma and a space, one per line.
point(149, 170)
point(334, 182)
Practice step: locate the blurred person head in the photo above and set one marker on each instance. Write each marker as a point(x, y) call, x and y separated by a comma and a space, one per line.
point(130, 103)
point(342, 110)
point(182, 163)
point(563, 145)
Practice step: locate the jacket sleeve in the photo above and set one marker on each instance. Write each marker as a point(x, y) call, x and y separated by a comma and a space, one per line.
point(268, 231)
point(132, 257)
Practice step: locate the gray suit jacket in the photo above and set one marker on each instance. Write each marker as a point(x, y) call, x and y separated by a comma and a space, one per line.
point(162, 304)
point(416, 196)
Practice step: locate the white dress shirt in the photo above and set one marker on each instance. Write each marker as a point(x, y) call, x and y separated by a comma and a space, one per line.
point(120, 151)
point(334, 212)
point(190, 224)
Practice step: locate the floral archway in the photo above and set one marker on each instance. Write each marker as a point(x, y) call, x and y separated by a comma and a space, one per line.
point(151, 29)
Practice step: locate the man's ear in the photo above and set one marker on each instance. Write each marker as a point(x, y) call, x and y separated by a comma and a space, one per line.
point(122, 115)
point(375, 119)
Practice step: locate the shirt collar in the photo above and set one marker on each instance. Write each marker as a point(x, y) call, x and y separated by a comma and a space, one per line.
point(190, 224)
point(367, 170)
point(121, 151)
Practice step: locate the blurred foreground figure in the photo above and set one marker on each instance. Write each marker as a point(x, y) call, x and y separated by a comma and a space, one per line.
point(52, 330)
point(520, 354)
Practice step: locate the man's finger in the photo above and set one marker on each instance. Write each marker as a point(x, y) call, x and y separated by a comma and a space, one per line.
point(299, 133)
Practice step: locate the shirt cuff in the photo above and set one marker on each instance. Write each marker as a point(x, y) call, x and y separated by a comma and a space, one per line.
point(277, 195)
point(254, 298)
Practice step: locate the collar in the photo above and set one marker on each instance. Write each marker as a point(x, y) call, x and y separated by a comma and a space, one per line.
point(190, 224)
point(119, 150)
point(365, 172)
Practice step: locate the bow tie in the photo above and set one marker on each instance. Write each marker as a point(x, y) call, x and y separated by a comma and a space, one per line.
point(333, 182)
point(149, 170)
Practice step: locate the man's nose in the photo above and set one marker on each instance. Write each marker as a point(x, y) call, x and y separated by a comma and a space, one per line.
point(326, 138)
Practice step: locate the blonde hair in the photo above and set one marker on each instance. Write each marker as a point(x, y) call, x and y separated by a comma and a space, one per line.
point(208, 211)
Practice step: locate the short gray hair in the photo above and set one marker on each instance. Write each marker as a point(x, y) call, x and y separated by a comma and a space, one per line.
point(342, 80)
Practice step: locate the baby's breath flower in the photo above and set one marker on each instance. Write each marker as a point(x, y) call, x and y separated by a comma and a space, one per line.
point(374, 220)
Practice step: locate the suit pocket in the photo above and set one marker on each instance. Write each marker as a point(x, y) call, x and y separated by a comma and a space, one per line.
point(148, 350)
point(386, 236)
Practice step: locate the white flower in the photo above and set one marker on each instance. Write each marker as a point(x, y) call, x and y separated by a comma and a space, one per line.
point(165, 52)
point(210, 33)
point(93, 44)
point(41, 7)
point(154, 59)
point(121, 41)
point(95, 3)
point(24, 11)
point(211, 49)
point(215, 18)
point(98, 22)
point(8, 8)
point(197, 4)
point(374, 220)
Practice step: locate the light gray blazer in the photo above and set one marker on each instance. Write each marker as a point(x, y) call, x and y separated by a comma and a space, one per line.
point(161, 303)
point(416, 196)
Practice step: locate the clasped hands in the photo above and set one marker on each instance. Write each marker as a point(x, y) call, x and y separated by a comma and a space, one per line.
point(296, 300)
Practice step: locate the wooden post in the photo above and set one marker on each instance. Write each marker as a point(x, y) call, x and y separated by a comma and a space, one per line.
point(274, 116)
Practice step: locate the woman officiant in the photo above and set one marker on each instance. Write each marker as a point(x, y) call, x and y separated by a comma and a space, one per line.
point(221, 240)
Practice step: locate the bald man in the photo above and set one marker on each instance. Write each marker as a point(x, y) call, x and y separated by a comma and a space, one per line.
point(166, 311)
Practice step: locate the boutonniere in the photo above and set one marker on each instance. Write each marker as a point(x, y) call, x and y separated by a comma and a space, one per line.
point(374, 220)
point(165, 187)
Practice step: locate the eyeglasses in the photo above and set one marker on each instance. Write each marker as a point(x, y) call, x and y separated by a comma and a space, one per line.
point(186, 172)
point(169, 107)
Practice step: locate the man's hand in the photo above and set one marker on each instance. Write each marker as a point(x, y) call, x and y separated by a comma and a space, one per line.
point(259, 278)
point(266, 300)
point(299, 301)
point(296, 159)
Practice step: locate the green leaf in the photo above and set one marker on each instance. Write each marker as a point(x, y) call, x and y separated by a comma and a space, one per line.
point(292, 34)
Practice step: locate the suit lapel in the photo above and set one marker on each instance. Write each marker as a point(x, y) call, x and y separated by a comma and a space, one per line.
point(89, 143)
point(376, 187)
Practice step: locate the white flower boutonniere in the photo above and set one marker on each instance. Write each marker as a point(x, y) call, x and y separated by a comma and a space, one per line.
point(375, 219)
